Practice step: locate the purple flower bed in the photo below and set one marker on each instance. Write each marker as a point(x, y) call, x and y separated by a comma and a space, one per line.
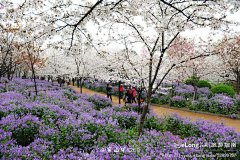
point(70, 125)
point(219, 104)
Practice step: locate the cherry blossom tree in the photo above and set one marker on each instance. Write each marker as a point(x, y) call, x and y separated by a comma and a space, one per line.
point(229, 48)
point(197, 68)
point(168, 19)
point(30, 56)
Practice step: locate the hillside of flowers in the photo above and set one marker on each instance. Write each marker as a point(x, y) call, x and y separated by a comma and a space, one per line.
point(182, 95)
point(65, 124)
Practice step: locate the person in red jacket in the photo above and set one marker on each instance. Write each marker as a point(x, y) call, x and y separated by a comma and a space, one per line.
point(121, 89)
point(134, 95)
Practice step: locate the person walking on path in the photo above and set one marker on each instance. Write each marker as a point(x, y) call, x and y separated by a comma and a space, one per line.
point(68, 81)
point(109, 91)
point(63, 81)
point(126, 97)
point(121, 89)
point(130, 94)
point(134, 95)
point(73, 81)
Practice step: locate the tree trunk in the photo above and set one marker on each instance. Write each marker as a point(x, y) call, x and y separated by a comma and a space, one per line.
point(139, 93)
point(195, 93)
point(119, 92)
point(238, 79)
point(35, 83)
point(8, 74)
point(195, 83)
point(145, 109)
point(81, 84)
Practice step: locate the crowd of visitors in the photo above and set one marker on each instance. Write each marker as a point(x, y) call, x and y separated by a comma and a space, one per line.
point(62, 81)
point(129, 96)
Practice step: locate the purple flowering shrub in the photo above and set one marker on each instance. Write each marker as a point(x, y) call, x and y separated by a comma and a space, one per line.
point(219, 104)
point(178, 101)
point(126, 120)
point(203, 132)
point(188, 90)
point(134, 107)
point(183, 90)
point(159, 99)
point(204, 92)
point(99, 101)
point(238, 102)
point(201, 104)
point(222, 104)
point(23, 129)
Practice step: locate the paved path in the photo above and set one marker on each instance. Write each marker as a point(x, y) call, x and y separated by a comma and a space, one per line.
point(161, 110)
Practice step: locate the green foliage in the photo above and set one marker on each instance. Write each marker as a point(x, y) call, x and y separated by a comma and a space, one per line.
point(223, 89)
point(154, 123)
point(25, 135)
point(132, 107)
point(172, 124)
point(202, 84)
point(189, 130)
point(194, 77)
point(180, 103)
point(188, 82)
point(127, 123)
point(191, 80)
point(100, 89)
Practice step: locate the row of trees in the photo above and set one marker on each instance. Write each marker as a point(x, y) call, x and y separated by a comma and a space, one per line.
point(163, 51)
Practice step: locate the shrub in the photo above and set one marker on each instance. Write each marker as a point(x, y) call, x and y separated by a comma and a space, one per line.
point(202, 84)
point(178, 101)
point(188, 82)
point(238, 102)
point(134, 107)
point(201, 104)
point(221, 104)
point(223, 89)
point(154, 122)
point(185, 91)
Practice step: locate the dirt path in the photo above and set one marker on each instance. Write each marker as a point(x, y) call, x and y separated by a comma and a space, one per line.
point(160, 111)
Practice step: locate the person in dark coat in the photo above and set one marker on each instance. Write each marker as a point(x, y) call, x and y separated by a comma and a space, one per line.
point(130, 94)
point(63, 81)
point(126, 98)
point(60, 81)
point(109, 91)
point(73, 81)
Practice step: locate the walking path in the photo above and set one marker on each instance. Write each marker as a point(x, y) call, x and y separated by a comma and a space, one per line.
point(161, 110)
